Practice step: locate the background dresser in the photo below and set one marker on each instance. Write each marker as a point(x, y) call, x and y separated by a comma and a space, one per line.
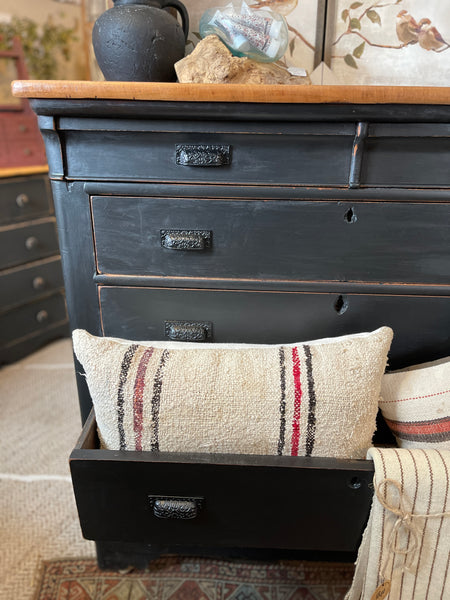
point(32, 304)
point(20, 142)
point(227, 213)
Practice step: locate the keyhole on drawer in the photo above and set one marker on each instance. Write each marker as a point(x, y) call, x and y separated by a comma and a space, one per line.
point(350, 216)
point(341, 305)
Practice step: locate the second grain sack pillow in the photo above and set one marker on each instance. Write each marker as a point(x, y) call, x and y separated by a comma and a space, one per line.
point(416, 405)
point(318, 398)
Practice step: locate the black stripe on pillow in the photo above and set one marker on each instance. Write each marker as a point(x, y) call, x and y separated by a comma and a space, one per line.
point(281, 439)
point(311, 425)
point(124, 369)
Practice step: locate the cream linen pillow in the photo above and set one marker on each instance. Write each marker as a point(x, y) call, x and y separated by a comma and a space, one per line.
point(318, 398)
point(415, 403)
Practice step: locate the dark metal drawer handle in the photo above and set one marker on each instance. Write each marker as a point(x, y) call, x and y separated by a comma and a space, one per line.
point(186, 239)
point(203, 155)
point(188, 331)
point(175, 508)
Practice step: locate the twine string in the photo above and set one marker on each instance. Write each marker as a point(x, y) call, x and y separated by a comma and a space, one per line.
point(405, 519)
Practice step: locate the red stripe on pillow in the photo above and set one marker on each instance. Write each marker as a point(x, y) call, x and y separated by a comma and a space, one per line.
point(420, 427)
point(297, 402)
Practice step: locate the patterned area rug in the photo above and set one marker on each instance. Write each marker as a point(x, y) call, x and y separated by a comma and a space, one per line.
point(196, 579)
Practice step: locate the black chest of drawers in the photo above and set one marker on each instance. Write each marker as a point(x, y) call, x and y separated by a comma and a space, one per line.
point(245, 222)
point(32, 304)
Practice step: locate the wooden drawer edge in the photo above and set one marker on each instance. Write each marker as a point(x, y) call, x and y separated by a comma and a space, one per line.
point(87, 448)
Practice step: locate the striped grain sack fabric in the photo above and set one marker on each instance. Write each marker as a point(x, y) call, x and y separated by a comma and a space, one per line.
point(416, 405)
point(318, 398)
point(406, 544)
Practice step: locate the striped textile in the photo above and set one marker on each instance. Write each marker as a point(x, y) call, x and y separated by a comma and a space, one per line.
point(417, 493)
point(314, 399)
point(416, 405)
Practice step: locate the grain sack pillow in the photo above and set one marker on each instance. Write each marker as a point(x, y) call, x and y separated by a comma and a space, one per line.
point(415, 403)
point(318, 398)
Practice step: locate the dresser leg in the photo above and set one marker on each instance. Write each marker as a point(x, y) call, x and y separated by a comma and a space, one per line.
point(115, 556)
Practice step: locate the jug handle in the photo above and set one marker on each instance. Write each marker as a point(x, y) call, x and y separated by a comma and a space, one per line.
point(179, 6)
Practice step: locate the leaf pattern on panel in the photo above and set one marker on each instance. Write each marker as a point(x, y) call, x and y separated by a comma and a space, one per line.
point(408, 30)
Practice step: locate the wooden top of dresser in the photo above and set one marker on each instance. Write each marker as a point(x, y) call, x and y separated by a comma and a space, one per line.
point(299, 94)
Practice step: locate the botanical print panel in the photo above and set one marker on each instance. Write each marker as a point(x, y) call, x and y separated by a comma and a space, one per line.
point(402, 42)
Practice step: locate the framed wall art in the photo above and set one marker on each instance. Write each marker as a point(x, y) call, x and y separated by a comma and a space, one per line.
point(396, 42)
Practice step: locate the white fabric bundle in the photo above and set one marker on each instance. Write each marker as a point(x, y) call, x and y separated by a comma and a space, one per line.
point(406, 544)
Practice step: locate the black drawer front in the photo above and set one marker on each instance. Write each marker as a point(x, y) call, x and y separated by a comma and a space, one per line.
point(26, 242)
point(412, 155)
point(30, 319)
point(233, 504)
point(23, 199)
point(259, 158)
point(276, 239)
point(23, 284)
point(277, 317)
point(117, 506)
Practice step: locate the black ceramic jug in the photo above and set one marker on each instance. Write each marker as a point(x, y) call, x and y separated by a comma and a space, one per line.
point(138, 41)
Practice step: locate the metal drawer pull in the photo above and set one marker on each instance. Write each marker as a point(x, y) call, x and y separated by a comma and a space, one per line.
point(188, 331)
point(38, 283)
point(203, 155)
point(22, 200)
point(31, 243)
point(42, 316)
point(186, 239)
point(175, 508)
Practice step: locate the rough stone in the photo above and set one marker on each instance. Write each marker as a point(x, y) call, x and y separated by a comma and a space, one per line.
point(212, 62)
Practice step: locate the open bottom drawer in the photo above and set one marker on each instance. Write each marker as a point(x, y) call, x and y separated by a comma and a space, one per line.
point(277, 502)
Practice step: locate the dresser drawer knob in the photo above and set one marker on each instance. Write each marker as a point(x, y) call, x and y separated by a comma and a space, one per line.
point(175, 508)
point(186, 239)
point(188, 331)
point(42, 316)
point(22, 200)
point(38, 283)
point(203, 155)
point(31, 243)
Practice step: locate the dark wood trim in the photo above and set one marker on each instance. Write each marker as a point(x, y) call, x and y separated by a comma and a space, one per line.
point(248, 111)
point(276, 285)
point(354, 180)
